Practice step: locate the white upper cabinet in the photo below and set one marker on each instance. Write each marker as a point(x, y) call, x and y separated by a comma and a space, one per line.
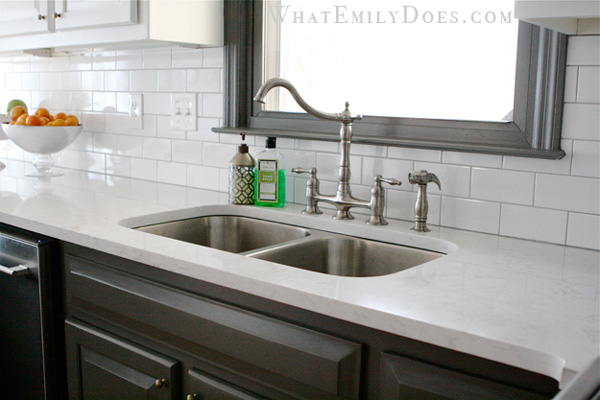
point(75, 14)
point(18, 17)
point(88, 24)
point(566, 16)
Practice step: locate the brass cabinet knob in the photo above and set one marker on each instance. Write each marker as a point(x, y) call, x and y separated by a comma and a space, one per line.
point(41, 17)
point(192, 397)
point(56, 15)
point(160, 383)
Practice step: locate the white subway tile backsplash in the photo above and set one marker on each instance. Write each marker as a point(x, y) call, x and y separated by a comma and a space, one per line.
point(473, 159)
point(487, 193)
point(588, 88)
point(401, 205)
point(328, 166)
point(583, 50)
point(116, 81)
point(204, 80)
point(157, 103)
point(157, 149)
point(584, 231)
point(455, 180)
point(173, 173)
point(186, 58)
point(562, 166)
point(388, 168)
point(129, 59)
point(171, 80)
point(156, 58)
point(104, 101)
point(533, 223)
point(143, 80)
point(473, 215)
point(204, 177)
point(92, 80)
point(503, 186)
point(144, 169)
point(218, 154)
point(132, 146)
point(567, 193)
point(571, 75)
point(187, 152)
point(213, 57)
point(415, 154)
point(212, 105)
point(586, 161)
point(581, 121)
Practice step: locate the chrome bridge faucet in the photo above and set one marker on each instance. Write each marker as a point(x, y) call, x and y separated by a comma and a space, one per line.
point(343, 199)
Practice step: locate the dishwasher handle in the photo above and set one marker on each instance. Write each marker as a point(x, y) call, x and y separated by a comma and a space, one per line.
point(15, 271)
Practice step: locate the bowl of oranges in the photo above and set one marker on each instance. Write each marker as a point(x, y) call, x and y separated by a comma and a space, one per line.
point(42, 134)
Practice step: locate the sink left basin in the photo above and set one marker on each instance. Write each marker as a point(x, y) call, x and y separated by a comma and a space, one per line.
point(227, 232)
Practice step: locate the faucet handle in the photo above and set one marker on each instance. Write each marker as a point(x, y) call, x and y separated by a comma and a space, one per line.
point(391, 181)
point(423, 178)
point(312, 190)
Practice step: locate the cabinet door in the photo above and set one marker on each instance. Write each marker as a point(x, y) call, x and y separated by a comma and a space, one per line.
point(76, 14)
point(19, 17)
point(101, 366)
point(406, 379)
point(207, 387)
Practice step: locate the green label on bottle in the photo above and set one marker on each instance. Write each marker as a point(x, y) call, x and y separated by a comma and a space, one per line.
point(267, 180)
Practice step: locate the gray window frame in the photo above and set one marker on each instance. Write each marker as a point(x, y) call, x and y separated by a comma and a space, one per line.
point(534, 132)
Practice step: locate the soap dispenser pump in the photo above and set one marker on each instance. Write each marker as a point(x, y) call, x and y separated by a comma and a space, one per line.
point(241, 176)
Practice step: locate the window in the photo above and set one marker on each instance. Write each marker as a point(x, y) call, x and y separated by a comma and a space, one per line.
point(532, 129)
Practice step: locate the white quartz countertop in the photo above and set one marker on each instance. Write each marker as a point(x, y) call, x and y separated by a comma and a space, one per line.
point(527, 304)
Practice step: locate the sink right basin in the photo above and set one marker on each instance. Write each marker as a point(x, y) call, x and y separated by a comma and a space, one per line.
point(347, 256)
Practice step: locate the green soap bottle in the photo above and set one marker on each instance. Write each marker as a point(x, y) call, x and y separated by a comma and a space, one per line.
point(269, 176)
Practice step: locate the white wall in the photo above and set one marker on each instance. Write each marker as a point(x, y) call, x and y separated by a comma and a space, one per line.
point(550, 201)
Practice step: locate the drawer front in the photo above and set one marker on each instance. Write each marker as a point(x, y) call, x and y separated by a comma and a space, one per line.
point(318, 366)
point(206, 387)
point(405, 378)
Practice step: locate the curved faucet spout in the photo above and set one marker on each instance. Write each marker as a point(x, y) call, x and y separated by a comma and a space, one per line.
point(344, 117)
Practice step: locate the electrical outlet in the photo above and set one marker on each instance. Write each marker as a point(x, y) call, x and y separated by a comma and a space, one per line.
point(136, 111)
point(183, 111)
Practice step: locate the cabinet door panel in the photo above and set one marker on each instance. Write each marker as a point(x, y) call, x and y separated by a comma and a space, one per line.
point(406, 379)
point(101, 366)
point(324, 367)
point(19, 17)
point(76, 14)
point(207, 387)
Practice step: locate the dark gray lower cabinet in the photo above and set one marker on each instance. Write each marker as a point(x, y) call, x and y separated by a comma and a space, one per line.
point(405, 379)
point(103, 367)
point(134, 331)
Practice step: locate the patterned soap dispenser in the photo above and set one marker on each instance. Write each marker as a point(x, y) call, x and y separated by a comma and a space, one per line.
point(241, 176)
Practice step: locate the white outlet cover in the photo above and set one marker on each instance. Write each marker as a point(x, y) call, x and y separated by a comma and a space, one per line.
point(184, 111)
point(136, 111)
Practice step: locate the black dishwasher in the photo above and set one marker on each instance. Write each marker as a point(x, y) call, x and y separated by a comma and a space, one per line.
point(31, 335)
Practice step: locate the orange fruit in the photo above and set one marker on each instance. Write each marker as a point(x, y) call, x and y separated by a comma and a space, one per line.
point(60, 115)
point(17, 111)
point(44, 120)
point(33, 120)
point(21, 119)
point(42, 112)
point(51, 117)
point(74, 117)
point(71, 122)
point(57, 122)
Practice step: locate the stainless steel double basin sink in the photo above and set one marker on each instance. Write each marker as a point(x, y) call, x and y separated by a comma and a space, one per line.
point(294, 246)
